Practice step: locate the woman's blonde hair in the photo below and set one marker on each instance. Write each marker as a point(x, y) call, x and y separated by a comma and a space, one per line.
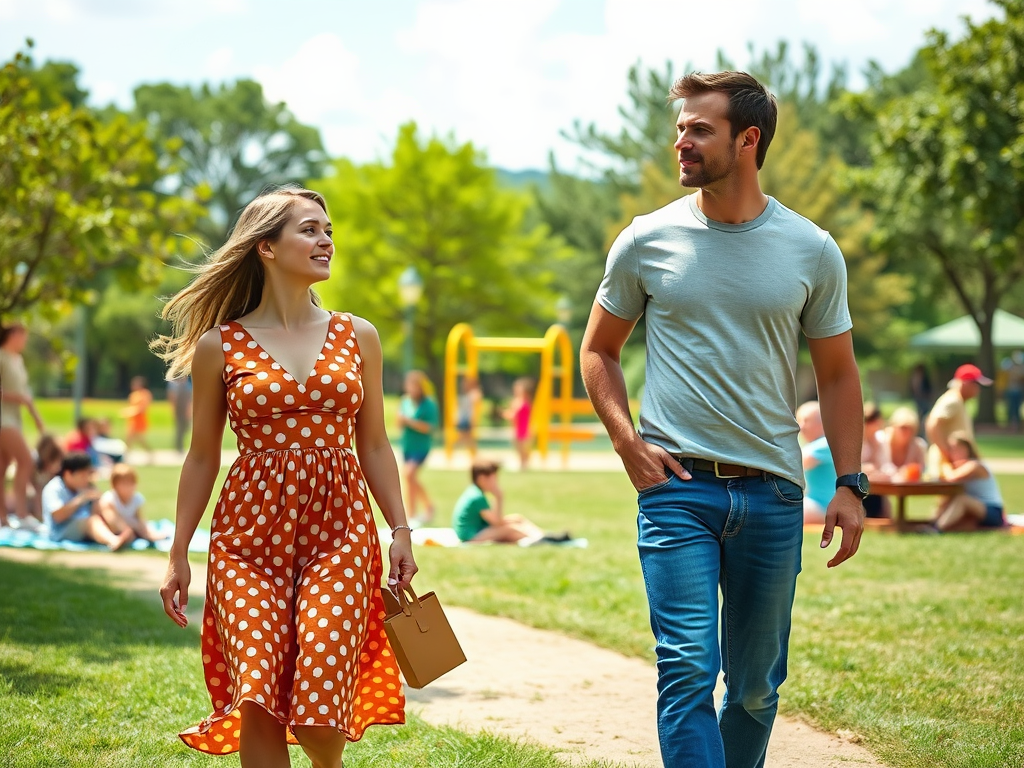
point(229, 284)
point(904, 416)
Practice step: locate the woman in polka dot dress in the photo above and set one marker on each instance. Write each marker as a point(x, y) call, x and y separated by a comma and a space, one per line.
point(293, 642)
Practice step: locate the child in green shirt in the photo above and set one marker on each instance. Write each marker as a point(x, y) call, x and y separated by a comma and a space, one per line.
point(475, 520)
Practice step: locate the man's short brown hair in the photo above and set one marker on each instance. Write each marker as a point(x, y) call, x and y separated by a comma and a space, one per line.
point(750, 103)
point(483, 468)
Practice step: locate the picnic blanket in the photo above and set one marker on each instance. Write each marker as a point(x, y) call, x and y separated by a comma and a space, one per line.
point(41, 540)
point(446, 537)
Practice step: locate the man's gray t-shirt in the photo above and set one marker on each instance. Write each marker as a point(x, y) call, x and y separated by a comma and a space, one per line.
point(725, 305)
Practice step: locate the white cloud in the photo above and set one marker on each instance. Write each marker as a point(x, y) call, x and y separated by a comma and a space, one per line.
point(218, 65)
point(62, 11)
point(319, 81)
point(104, 92)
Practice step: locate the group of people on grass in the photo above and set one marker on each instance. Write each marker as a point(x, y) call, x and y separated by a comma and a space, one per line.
point(894, 451)
point(54, 489)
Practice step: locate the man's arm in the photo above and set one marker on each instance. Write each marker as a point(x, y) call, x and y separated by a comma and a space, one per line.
point(61, 514)
point(842, 415)
point(937, 430)
point(601, 368)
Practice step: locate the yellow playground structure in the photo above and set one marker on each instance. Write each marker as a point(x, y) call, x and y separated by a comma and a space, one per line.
point(549, 405)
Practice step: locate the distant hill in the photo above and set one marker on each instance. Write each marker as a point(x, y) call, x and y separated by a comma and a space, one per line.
point(522, 179)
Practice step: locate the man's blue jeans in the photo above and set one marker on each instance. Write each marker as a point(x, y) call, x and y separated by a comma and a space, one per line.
point(744, 536)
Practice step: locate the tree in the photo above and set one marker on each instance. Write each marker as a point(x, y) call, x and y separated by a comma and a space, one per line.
point(231, 142)
point(436, 206)
point(948, 170)
point(804, 176)
point(76, 199)
point(648, 129)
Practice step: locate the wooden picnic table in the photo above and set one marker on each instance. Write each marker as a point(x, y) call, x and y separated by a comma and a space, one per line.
point(903, 488)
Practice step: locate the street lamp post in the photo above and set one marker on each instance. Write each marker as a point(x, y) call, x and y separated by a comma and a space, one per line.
point(410, 290)
point(563, 309)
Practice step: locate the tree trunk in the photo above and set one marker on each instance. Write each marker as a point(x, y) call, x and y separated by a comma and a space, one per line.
point(987, 363)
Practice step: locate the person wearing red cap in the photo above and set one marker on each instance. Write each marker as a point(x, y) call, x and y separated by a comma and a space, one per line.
point(949, 414)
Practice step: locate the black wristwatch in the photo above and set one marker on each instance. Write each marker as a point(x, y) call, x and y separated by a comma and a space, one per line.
point(857, 482)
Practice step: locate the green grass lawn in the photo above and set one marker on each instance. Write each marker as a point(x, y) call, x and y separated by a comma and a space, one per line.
point(913, 644)
point(93, 678)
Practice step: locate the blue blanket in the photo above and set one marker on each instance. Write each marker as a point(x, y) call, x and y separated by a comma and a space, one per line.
point(27, 539)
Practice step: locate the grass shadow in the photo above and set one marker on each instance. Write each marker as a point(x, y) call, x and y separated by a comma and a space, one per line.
point(48, 605)
point(25, 680)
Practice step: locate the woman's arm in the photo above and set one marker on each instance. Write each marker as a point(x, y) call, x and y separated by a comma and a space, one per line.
point(969, 470)
point(376, 456)
point(199, 472)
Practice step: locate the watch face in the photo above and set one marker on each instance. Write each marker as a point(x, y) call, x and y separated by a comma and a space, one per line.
point(863, 485)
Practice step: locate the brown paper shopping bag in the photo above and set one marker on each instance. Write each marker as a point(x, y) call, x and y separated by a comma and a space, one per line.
point(420, 636)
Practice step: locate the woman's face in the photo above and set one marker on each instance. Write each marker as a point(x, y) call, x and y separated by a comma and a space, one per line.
point(304, 249)
point(903, 433)
point(957, 451)
point(16, 341)
point(413, 386)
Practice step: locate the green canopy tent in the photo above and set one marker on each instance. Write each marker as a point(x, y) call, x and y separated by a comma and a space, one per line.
point(962, 335)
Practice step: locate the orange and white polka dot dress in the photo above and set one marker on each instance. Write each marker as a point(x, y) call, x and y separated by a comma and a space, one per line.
point(294, 619)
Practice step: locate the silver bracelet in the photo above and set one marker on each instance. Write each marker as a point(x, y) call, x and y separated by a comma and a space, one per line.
point(401, 528)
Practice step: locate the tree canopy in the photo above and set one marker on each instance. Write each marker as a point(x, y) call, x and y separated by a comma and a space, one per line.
point(947, 170)
point(76, 198)
point(231, 142)
point(437, 207)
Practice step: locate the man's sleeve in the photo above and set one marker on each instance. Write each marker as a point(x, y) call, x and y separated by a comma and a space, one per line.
point(621, 291)
point(826, 312)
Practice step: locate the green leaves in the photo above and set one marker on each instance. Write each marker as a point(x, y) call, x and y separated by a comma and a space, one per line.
point(227, 143)
point(947, 173)
point(76, 198)
point(435, 206)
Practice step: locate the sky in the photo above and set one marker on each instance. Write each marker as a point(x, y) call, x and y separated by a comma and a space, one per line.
point(508, 76)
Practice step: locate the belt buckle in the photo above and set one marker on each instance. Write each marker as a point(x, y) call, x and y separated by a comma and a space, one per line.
point(724, 477)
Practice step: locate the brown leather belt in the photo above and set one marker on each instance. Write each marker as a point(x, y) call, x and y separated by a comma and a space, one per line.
point(719, 468)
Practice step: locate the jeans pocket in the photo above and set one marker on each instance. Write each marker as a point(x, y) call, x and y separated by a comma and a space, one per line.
point(786, 490)
point(655, 487)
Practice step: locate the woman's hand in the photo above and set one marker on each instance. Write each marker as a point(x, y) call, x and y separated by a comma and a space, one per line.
point(403, 566)
point(174, 592)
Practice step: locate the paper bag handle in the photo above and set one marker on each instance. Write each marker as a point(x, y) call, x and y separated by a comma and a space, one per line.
point(413, 608)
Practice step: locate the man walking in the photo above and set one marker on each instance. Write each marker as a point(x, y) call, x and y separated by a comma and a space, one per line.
point(728, 279)
point(949, 414)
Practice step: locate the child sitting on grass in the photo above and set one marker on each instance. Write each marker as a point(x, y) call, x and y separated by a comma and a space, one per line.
point(67, 503)
point(476, 521)
point(122, 504)
point(981, 503)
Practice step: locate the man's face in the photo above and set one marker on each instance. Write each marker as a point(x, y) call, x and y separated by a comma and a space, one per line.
point(704, 145)
point(969, 389)
point(79, 480)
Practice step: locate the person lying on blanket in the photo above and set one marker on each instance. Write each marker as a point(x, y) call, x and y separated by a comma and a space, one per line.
point(476, 521)
point(67, 503)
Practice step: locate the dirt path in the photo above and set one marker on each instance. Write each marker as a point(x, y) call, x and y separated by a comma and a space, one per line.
point(569, 695)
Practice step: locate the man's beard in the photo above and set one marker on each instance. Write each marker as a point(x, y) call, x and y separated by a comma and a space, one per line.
point(709, 171)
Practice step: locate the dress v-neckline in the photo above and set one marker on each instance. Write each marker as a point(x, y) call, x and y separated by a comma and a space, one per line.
point(316, 363)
